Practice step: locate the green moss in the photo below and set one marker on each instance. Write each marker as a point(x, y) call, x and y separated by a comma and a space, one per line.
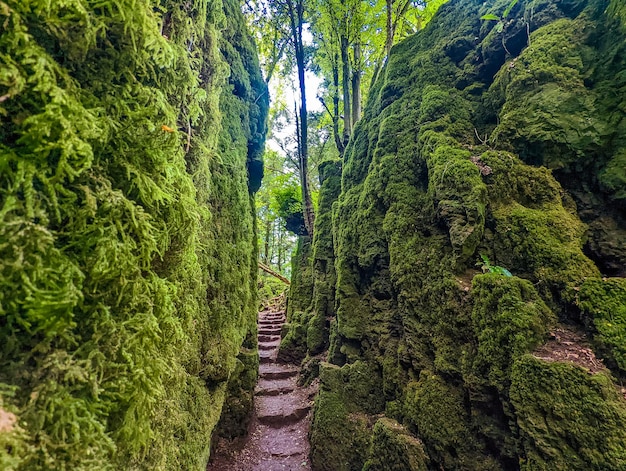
point(603, 307)
point(475, 143)
point(237, 410)
point(509, 320)
point(547, 104)
point(14, 441)
point(534, 232)
point(339, 439)
point(324, 274)
point(569, 419)
point(342, 419)
point(613, 177)
point(301, 288)
point(293, 347)
point(316, 334)
point(435, 410)
point(394, 449)
point(128, 268)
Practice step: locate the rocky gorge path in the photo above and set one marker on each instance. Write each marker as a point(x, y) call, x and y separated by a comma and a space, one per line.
point(277, 439)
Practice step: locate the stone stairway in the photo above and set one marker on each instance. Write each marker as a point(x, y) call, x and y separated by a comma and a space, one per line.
point(278, 437)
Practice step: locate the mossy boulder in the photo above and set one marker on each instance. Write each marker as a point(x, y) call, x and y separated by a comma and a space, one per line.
point(339, 438)
point(293, 345)
point(603, 307)
point(569, 419)
point(394, 449)
point(435, 410)
point(238, 407)
point(509, 320)
point(344, 414)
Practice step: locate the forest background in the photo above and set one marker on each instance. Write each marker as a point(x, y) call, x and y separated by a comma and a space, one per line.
point(319, 58)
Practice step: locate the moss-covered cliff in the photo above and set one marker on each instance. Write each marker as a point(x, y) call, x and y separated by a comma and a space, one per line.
point(492, 144)
point(130, 144)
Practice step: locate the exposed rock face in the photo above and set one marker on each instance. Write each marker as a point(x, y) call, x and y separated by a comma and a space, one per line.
point(502, 144)
point(130, 144)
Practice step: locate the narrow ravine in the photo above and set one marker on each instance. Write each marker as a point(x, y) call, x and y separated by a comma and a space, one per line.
point(278, 435)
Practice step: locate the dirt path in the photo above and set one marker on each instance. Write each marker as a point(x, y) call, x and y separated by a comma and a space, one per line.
point(277, 439)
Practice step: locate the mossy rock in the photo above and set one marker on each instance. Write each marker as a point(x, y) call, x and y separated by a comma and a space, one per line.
point(603, 306)
point(343, 416)
point(130, 145)
point(293, 346)
point(301, 288)
point(436, 412)
point(339, 439)
point(475, 142)
point(509, 319)
point(316, 335)
point(395, 449)
point(358, 383)
point(569, 419)
point(237, 410)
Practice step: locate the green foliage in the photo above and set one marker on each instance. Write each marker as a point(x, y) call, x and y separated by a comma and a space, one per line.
point(487, 267)
point(127, 255)
point(270, 288)
point(275, 243)
point(500, 19)
point(288, 201)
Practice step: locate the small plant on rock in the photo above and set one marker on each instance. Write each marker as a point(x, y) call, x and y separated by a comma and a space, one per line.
point(487, 267)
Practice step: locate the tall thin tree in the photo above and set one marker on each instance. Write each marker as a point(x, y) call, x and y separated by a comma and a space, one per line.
point(295, 10)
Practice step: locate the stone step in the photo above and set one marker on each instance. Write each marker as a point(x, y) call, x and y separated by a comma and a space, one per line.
point(267, 356)
point(285, 442)
point(271, 322)
point(270, 331)
point(268, 338)
point(275, 387)
point(274, 371)
point(271, 463)
point(269, 345)
point(278, 411)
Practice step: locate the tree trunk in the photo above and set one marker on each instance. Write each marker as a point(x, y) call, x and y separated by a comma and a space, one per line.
point(296, 16)
point(390, 31)
point(356, 85)
point(268, 270)
point(268, 232)
point(338, 141)
point(347, 114)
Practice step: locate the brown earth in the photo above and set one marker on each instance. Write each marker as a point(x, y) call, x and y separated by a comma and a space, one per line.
point(569, 345)
point(277, 439)
point(7, 421)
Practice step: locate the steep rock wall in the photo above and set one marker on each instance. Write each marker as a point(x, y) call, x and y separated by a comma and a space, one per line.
point(492, 144)
point(130, 145)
